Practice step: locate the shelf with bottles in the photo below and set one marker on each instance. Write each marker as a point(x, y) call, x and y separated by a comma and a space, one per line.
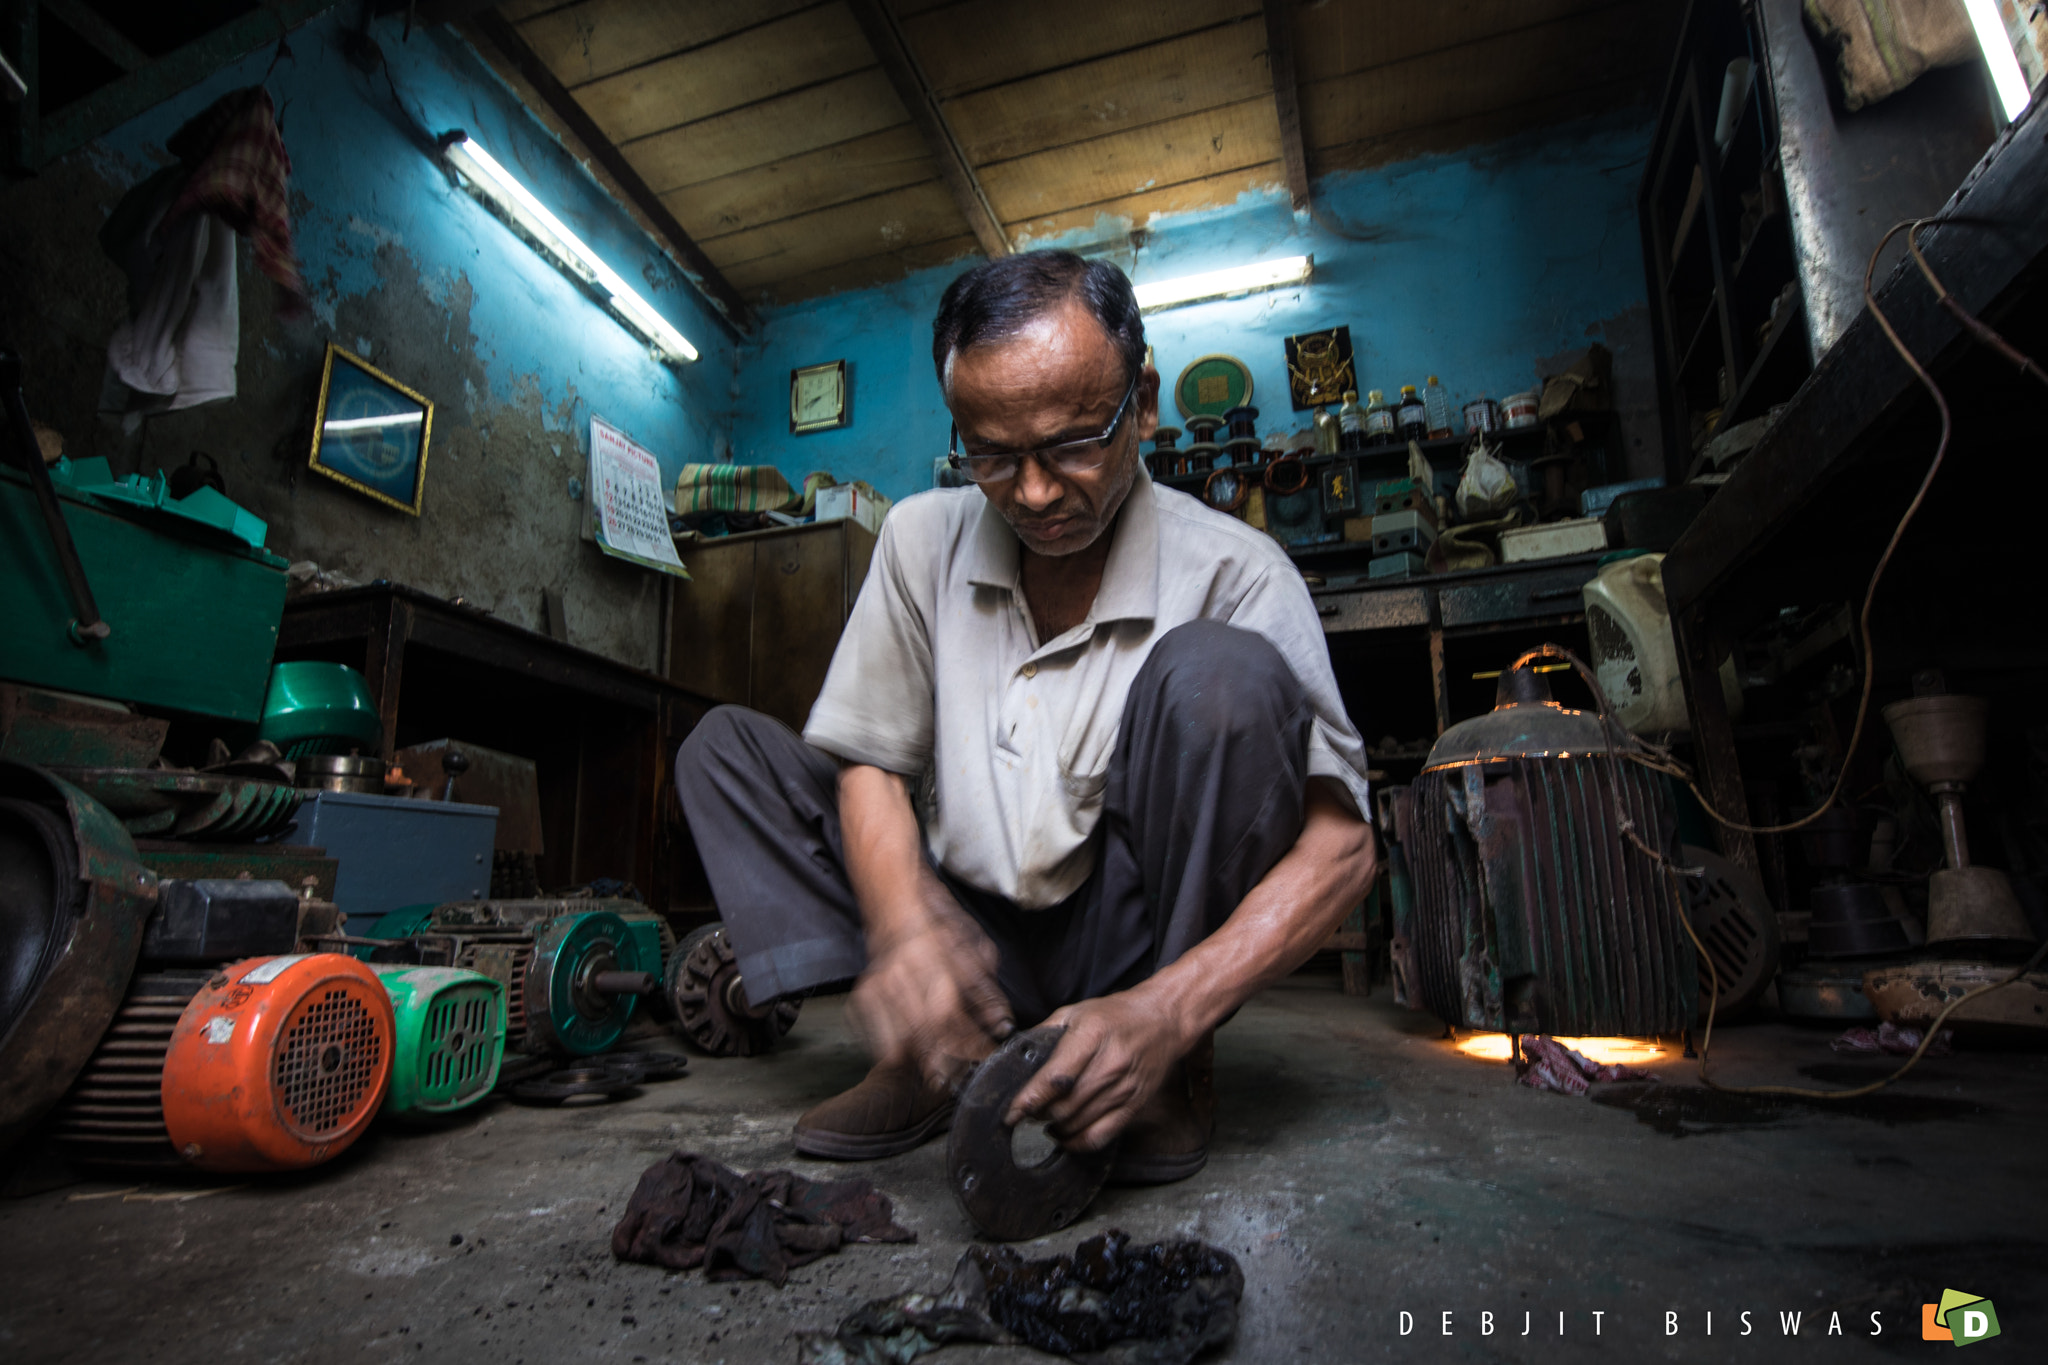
point(1516, 443)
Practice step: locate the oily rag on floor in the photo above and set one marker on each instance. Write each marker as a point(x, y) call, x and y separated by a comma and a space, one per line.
point(690, 1210)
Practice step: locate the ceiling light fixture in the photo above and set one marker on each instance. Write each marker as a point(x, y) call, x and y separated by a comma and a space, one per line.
point(1999, 56)
point(1217, 284)
point(496, 186)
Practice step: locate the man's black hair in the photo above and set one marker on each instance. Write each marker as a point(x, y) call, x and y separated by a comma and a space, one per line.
point(997, 300)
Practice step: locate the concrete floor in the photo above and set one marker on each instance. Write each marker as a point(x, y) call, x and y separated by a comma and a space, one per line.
point(1363, 1168)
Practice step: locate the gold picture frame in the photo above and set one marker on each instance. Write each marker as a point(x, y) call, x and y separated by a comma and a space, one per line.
point(363, 432)
point(818, 398)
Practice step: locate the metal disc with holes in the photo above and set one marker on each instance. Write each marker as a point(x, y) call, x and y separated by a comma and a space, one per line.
point(709, 999)
point(1008, 1202)
point(579, 1082)
point(564, 1007)
point(1734, 920)
point(652, 1066)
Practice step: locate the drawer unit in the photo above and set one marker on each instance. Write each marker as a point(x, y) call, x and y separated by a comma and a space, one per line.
point(1373, 609)
point(1516, 596)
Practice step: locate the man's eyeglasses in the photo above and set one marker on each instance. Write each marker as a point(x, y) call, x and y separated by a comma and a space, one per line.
point(1068, 457)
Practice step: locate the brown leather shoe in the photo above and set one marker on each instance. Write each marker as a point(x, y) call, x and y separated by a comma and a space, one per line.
point(891, 1111)
point(1169, 1139)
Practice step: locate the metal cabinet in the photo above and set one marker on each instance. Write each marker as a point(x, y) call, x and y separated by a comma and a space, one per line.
point(758, 621)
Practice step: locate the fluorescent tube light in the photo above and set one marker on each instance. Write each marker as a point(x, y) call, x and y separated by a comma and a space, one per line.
point(1999, 56)
point(1216, 284)
point(396, 419)
point(495, 183)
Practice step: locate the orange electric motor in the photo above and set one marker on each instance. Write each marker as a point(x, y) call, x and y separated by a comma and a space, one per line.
point(278, 1063)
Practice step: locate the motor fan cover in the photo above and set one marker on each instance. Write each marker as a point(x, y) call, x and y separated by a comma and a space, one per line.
point(450, 1028)
point(278, 1063)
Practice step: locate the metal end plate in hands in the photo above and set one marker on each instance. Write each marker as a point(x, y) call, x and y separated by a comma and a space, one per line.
point(705, 991)
point(1008, 1202)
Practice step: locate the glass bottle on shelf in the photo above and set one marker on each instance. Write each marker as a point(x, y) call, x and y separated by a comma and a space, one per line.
point(1351, 423)
point(1379, 420)
point(1436, 401)
point(1411, 419)
point(1326, 431)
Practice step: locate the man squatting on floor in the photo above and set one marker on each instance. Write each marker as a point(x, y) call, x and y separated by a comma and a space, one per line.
point(1079, 759)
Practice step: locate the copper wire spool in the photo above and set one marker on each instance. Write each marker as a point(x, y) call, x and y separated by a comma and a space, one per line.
point(1243, 481)
point(1282, 469)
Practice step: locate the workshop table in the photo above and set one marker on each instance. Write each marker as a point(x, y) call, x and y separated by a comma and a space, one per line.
point(602, 734)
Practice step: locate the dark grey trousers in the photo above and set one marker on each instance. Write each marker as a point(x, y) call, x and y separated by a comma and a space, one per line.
point(1206, 791)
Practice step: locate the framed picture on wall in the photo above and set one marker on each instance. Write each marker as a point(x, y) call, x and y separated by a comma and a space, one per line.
point(1319, 367)
point(371, 432)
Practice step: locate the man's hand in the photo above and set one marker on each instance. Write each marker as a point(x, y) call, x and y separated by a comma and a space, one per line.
point(1114, 1055)
point(929, 996)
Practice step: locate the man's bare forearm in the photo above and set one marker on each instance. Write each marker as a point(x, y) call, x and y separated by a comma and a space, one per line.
point(1278, 925)
point(884, 852)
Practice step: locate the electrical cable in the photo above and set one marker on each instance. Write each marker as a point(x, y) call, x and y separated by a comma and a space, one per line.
point(1660, 759)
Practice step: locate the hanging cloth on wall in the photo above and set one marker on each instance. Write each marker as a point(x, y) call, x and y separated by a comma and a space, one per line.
point(174, 236)
point(242, 173)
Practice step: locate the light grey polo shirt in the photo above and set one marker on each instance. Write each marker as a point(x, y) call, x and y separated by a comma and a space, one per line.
point(941, 672)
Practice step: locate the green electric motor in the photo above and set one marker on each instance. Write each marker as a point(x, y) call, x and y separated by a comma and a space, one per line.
point(450, 1037)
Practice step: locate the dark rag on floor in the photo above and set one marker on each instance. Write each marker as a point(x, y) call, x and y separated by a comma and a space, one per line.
point(1110, 1303)
point(690, 1210)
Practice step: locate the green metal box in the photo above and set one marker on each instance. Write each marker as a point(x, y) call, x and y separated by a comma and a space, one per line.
point(194, 610)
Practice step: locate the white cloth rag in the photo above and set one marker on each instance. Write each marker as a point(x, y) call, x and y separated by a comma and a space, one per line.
point(177, 348)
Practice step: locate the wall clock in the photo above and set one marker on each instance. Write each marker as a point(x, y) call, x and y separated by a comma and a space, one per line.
point(818, 398)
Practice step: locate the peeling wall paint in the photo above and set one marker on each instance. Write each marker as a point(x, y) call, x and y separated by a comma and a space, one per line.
point(412, 273)
point(1481, 267)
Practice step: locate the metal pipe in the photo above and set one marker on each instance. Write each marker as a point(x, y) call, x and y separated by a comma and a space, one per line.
point(86, 627)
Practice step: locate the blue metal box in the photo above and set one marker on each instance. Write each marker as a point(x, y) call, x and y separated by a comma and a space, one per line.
point(396, 850)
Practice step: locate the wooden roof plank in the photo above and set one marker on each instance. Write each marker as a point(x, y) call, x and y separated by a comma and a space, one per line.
point(802, 49)
point(1501, 71)
point(804, 183)
point(1347, 36)
point(765, 133)
point(887, 222)
point(1182, 75)
point(586, 42)
point(988, 42)
point(1119, 216)
point(1174, 152)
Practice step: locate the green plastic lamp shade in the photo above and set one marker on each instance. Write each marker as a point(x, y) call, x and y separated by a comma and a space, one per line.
point(319, 708)
point(450, 1037)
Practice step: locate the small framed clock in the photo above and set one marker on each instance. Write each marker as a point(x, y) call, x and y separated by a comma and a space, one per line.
point(818, 398)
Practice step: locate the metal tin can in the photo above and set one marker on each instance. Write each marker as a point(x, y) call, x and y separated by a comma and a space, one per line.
point(1482, 415)
point(1520, 410)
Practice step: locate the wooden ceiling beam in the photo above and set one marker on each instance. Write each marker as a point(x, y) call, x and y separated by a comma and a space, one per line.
point(726, 303)
point(1287, 97)
point(900, 64)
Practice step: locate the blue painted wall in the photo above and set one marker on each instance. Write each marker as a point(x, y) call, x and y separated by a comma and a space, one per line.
point(1481, 267)
point(413, 272)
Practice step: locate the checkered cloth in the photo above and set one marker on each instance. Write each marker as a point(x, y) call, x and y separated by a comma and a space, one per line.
point(732, 488)
point(241, 173)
